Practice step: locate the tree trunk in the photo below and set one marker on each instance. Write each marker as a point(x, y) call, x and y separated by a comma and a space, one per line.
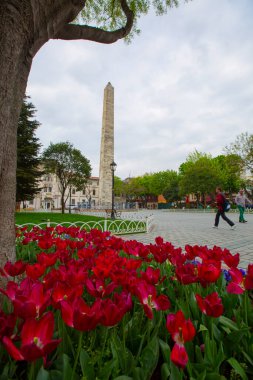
point(62, 203)
point(14, 70)
point(25, 26)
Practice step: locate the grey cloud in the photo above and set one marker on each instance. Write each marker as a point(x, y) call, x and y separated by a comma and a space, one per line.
point(185, 83)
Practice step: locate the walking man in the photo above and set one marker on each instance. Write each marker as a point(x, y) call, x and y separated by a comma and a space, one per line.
point(241, 201)
point(220, 202)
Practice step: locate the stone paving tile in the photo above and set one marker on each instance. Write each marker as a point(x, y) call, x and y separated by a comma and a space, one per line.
point(181, 228)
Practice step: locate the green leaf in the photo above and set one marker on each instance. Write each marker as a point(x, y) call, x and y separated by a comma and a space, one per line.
point(138, 374)
point(43, 374)
point(214, 376)
point(67, 369)
point(86, 366)
point(220, 357)
point(202, 328)
point(199, 355)
point(202, 376)
point(63, 366)
point(165, 348)
point(210, 350)
point(122, 356)
point(228, 323)
point(105, 372)
point(236, 336)
point(149, 357)
point(123, 378)
point(238, 368)
point(247, 357)
point(176, 374)
point(55, 375)
point(165, 371)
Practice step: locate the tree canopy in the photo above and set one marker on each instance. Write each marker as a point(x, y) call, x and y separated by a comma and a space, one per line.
point(199, 175)
point(28, 146)
point(243, 148)
point(69, 165)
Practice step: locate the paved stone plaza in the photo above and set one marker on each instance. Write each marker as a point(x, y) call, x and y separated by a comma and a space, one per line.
point(181, 228)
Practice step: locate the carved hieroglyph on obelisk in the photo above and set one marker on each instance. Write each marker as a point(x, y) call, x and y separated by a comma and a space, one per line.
point(106, 148)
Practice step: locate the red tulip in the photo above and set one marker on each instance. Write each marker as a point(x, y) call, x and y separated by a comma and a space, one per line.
point(35, 271)
point(36, 339)
point(249, 278)
point(45, 242)
point(32, 302)
point(149, 299)
point(236, 285)
point(14, 269)
point(230, 260)
point(7, 324)
point(187, 274)
point(179, 356)
point(63, 292)
point(209, 272)
point(151, 275)
point(47, 259)
point(210, 305)
point(81, 316)
point(181, 330)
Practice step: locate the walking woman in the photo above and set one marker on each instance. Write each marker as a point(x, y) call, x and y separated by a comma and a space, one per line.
point(220, 201)
point(241, 201)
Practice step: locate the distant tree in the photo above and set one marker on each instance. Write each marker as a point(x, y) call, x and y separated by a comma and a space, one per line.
point(119, 186)
point(231, 169)
point(28, 146)
point(69, 165)
point(135, 188)
point(199, 177)
point(171, 192)
point(162, 182)
point(243, 147)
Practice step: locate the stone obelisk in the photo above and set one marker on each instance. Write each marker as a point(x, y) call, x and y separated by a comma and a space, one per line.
point(106, 149)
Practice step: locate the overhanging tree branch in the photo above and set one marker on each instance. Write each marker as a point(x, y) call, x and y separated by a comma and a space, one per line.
point(85, 32)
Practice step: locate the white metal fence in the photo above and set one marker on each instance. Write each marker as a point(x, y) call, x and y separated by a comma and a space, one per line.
point(116, 227)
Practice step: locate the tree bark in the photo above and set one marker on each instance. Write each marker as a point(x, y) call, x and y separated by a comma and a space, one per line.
point(15, 64)
point(25, 26)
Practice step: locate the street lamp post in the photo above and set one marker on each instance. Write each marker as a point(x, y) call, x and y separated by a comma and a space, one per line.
point(113, 166)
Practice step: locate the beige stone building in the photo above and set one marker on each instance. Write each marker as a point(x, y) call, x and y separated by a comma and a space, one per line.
point(49, 198)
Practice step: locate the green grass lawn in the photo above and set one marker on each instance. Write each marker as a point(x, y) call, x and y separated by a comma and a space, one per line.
point(40, 217)
point(23, 218)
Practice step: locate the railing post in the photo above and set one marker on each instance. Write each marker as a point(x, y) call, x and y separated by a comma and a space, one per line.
point(105, 225)
point(48, 223)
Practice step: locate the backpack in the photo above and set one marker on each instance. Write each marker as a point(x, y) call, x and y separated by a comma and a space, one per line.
point(226, 205)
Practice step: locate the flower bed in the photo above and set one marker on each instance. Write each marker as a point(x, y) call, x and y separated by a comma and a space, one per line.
point(88, 305)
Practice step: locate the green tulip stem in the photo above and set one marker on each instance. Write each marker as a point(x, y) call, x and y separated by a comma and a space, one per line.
point(77, 354)
point(245, 295)
point(31, 371)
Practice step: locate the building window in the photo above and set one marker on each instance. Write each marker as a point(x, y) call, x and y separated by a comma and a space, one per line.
point(49, 189)
point(94, 192)
point(83, 191)
point(73, 201)
point(45, 189)
point(73, 191)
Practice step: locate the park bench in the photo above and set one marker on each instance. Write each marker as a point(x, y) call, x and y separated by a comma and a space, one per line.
point(109, 213)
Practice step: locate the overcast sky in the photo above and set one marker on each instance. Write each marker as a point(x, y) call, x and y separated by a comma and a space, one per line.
point(185, 83)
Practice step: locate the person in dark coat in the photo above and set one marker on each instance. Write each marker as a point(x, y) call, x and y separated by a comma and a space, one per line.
point(220, 202)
